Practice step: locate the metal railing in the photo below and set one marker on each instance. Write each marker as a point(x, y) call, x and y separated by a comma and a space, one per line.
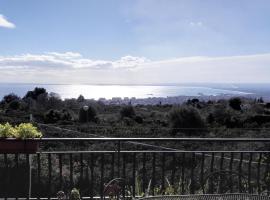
point(147, 165)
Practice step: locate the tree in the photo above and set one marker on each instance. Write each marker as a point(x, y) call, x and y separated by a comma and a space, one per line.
point(186, 118)
point(10, 97)
point(235, 103)
point(127, 111)
point(87, 113)
point(35, 93)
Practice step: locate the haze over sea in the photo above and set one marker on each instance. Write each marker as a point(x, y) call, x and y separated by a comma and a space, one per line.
point(140, 91)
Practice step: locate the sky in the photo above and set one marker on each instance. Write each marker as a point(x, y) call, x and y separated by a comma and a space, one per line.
point(134, 41)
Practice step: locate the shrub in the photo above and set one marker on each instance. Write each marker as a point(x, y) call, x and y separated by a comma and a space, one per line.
point(10, 97)
point(7, 131)
point(127, 111)
point(14, 105)
point(24, 130)
point(35, 93)
point(186, 118)
point(27, 130)
point(81, 98)
point(52, 116)
point(87, 115)
point(235, 103)
point(75, 194)
point(138, 119)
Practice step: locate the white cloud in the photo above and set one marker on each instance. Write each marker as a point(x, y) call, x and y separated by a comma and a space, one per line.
point(5, 23)
point(68, 60)
point(72, 67)
point(196, 24)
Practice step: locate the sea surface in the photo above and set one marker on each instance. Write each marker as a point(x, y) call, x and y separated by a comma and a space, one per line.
point(139, 91)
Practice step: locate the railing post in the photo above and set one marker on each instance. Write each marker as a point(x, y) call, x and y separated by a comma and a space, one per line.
point(118, 158)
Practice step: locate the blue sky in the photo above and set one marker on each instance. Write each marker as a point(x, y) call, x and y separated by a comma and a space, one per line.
point(125, 37)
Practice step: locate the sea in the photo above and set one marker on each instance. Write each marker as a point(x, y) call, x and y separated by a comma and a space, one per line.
point(91, 91)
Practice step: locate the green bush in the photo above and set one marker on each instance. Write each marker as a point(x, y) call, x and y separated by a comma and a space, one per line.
point(10, 97)
point(75, 194)
point(235, 103)
point(23, 131)
point(127, 111)
point(186, 119)
point(27, 130)
point(87, 115)
point(7, 131)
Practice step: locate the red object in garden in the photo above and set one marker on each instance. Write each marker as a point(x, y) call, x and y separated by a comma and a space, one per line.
point(18, 146)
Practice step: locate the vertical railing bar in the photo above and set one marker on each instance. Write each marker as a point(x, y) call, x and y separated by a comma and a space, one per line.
point(17, 173)
point(60, 163)
point(92, 176)
point(173, 169)
point(38, 176)
point(153, 173)
point(144, 173)
point(124, 176)
point(102, 176)
point(28, 176)
point(231, 170)
point(6, 177)
point(71, 171)
point(134, 175)
point(163, 173)
point(249, 173)
point(202, 172)
point(112, 166)
point(240, 173)
point(183, 173)
point(259, 173)
point(220, 187)
point(211, 187)
point(192, 173)
point(81, 170)
point(118, 157)
point(267, 173)
point(49, 175)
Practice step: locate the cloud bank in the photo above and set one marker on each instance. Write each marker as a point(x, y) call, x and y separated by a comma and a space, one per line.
point(5, 23)
point(72, 67)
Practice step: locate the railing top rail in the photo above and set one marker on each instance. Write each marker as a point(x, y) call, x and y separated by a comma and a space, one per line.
point(149, 139)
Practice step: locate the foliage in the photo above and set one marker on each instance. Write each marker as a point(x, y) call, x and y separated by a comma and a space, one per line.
point(87, 114)
point(10, 97)
point(7, 131)
point(235, 103)
point(185, 118)
point(27, 130)
point(23, 131)
point(81, 98)
point(75, 194)
point(127, 111)
point(35, 93)
point(14, 105)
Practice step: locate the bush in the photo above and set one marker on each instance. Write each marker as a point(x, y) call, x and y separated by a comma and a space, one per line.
point(27, 130)
point(10, 97)
point(7, 131)
point(75, 194)
point(186, 118)
point(138, 119)
point(127, 111)
point(52, 116)
point(35, 93)
point(235, 103)
point(23, 131)
point(87, 115)
point(14, 105)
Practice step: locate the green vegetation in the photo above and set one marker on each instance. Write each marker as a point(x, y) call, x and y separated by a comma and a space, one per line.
point(22, 131)
point(75, 194)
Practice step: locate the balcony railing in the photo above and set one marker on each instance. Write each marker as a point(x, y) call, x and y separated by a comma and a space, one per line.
point(146, 166)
